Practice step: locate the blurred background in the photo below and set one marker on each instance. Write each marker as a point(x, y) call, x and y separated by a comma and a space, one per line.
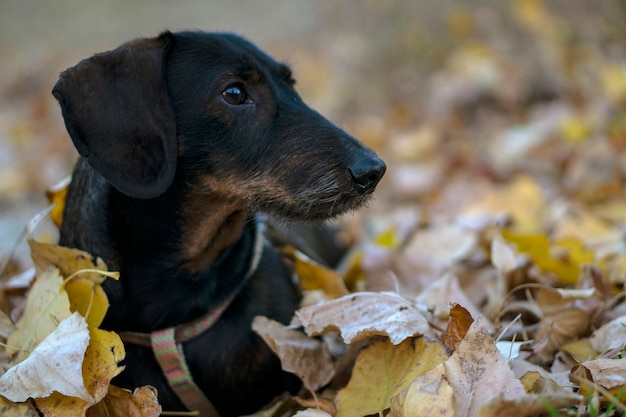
point(481, 90)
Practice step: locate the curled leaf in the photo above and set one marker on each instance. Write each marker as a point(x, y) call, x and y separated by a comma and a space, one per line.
point(365, 314)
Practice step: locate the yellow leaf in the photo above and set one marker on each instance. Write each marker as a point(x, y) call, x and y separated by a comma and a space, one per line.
point(88, 298)
point(56, 196)
point(99, 366)
point(122, 403)
point(315, 276)
point(576, 129)
point(46, 307)
point(432, 397)
point(564, 258)
point(67, 260)
point(522, 202)
point(581, 350)
point(10, 409)
point(614, 82)
point(382, 370)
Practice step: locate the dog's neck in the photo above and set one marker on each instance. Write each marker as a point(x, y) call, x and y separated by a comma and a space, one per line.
point(212, 223)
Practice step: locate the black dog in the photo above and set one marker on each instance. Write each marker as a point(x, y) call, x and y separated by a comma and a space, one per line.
point(183, 138)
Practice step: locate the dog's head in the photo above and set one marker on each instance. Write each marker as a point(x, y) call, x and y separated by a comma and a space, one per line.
point(214, 111)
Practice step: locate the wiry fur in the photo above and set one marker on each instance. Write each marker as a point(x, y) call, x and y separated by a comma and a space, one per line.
point(170, 177)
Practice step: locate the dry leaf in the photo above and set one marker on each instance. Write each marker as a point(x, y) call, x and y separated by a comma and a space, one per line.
point(477, 371)
point(442, 245)
point(9, 409)
point(314, 276)
point(122, 403)
point(438, 296)
point(432, 396)
point(54, 365)
point(365, 314)
point(307, 358)
point(458, 324)
point(100, 365)
point(609, 373)
point(382, 370)
point(503, 256)
point(46, 307)
point(67, 260)
point(611, 335)
point(521, 201)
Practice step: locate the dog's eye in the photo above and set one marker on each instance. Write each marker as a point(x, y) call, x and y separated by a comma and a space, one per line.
point(235, 94)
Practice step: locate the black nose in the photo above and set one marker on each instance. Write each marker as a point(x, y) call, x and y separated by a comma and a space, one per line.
point(366, 173)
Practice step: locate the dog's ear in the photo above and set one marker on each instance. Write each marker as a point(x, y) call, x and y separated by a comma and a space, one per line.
point(117, 110)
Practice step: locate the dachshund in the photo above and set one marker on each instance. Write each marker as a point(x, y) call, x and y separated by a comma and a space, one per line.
point(188, 141)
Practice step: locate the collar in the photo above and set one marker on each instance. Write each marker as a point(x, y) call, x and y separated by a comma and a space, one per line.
point(167, 344)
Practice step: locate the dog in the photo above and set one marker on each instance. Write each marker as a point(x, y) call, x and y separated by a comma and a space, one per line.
point(183, 140)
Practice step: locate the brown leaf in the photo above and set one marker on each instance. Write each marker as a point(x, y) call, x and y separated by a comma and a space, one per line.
point(477, 371)
point(459, 322)
point(307, 358)
point(142, 402)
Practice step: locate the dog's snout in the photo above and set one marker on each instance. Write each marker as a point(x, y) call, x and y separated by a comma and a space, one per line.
point(366, 173)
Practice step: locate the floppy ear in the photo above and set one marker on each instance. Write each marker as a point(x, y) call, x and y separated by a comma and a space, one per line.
point(117, 110)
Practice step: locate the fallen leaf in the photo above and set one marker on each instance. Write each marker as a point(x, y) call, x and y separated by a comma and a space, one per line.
point(608, 373)
point(54, 365)
point(46, 307)
point(382, 370)
point(88, 298)
point(564, 257)
point(477, 372)
point(56, 196)
point(100, 365)
point(442, 245)
point(142, 402)
point(315, 276)
point(432, 396)
point(522, 202)
point(67, 260)
point(459, 322)
point(611, 335)
point(307, 358)
point(503, 256)
point(439, 294)
point(10, 409)
point(365, 314)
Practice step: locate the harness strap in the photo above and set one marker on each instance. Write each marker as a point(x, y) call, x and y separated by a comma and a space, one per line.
point(172, 361)
point(166, 344)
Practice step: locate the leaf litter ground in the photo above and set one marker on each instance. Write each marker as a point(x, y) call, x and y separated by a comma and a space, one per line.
point(487, 279)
